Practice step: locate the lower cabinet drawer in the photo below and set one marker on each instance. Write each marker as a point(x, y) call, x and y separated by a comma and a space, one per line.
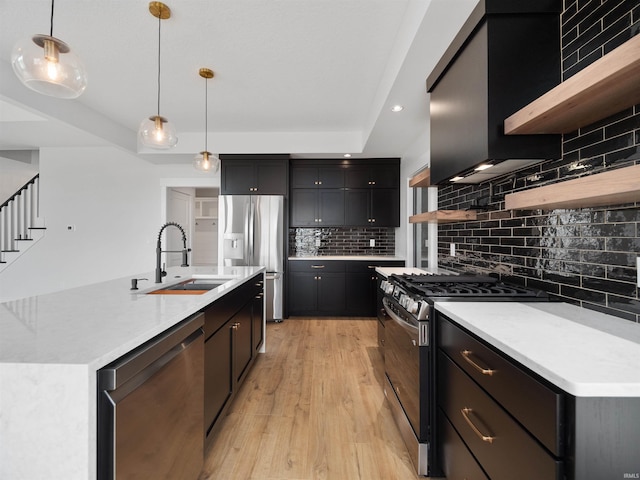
point(457, 461)
point(504, 448)
point(532, 403)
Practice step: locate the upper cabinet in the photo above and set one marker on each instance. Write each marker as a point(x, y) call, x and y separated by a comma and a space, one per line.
point(505, 55)
point(254, 174)
point(309, 176)
point(353, 193)
point(607, 86)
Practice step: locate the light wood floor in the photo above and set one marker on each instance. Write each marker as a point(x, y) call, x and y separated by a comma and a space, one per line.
point(312, 408)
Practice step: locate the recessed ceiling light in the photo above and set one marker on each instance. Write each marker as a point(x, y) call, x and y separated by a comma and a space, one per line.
point(484, 166)
point(456, 179)
point(397, 108)
point(347, 155)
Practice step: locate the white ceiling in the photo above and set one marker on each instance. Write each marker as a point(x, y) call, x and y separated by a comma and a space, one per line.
point(311, 78)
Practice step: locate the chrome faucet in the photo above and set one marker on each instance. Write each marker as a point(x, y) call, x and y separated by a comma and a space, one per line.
point(160, 272)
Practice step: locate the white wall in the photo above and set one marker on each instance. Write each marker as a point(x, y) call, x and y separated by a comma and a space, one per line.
point(114, 201)
point(414, 159)
point(14, 174)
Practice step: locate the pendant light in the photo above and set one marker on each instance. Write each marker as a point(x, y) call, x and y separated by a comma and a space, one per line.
point(156, 131)
point(205, 161)
point(46, 65)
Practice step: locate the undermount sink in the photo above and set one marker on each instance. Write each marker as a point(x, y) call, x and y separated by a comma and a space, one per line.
point(189, 287)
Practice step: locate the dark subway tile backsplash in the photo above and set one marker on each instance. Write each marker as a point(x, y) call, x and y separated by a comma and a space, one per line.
point(306, 242)
point(582, 256)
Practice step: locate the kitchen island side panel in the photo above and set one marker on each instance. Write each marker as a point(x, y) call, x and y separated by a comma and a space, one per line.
point(47, 419)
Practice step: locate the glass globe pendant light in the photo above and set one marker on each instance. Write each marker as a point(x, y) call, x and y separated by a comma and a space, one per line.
point(156, 131)
point(205, 161)
point(46, 65)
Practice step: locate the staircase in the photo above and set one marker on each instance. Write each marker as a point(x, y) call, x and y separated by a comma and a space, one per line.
point(20, 223)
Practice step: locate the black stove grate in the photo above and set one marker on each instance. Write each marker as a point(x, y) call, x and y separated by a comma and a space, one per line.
point(459, 285)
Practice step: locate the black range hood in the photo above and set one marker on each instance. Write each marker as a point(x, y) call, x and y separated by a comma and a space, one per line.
point(506, 55)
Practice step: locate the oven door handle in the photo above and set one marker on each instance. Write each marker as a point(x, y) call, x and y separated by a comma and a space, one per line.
point(407, 326)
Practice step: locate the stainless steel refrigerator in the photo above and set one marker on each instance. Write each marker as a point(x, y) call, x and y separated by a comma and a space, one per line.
point(251, 229)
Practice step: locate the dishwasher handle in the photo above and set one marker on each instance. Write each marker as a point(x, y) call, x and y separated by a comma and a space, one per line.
point(153, 355)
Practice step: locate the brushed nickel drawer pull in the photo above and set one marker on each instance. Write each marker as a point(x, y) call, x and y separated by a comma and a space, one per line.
point(466, 354)
point(317, 266)
point(485, 438)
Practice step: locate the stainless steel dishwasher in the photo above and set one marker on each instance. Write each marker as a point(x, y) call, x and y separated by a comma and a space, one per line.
point(151, 408)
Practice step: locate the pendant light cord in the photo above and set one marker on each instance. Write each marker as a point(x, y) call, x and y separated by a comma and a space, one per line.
point(159, 24)
point(51, 29)
point(206, 116)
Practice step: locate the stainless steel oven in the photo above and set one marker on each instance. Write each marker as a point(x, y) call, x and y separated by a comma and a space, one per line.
point(409, 371)
point(409, 351)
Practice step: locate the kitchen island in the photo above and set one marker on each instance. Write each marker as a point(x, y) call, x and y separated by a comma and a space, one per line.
point(51, 347)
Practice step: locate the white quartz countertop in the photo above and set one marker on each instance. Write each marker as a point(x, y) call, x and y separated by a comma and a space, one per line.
point(585, 353)
point(95, 324)
point(351, 257)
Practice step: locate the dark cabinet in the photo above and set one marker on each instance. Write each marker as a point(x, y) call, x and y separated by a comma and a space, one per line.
point(254, 174)
point(374, 175)
point(317, 208)
point(373, 207)
point(241, 327)
point(509, 420)
point(316, 288)
point(334, 287)
point(330, 176)
point(257, 325)
point(233, 333)
point(336, 193)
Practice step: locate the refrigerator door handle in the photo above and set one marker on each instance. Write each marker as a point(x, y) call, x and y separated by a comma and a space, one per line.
point(251, 230)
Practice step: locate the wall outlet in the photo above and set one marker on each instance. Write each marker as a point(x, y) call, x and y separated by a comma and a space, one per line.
point(452, 249)
point(372, 242)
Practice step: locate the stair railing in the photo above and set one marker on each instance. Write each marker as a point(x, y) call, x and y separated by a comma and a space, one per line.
point(17, 215)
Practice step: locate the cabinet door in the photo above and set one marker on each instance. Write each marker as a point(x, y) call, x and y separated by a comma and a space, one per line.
point(217, 375)
point(357, 208)
point(330, 208)
point(271, 178)
point(304, 207)
point(360, 300)
point(242, 346)
point(331, 293)
point(237, 178)
point(304, 177)
point(331, 177)
point(303, 293)
point(384, 176)
point(257, 321)
point(385, 207)
point(357, 177)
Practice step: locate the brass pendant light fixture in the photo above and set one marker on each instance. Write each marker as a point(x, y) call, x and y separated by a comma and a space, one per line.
point(46, 65)
point(156, 131)
point(205, 161)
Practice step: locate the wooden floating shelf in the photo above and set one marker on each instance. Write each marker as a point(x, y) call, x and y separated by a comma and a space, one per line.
point(421, 179)
point(613, 187)
point(607, 86)
point(443, 216)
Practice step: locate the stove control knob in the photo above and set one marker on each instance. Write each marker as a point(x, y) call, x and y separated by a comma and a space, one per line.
point(413, 306)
